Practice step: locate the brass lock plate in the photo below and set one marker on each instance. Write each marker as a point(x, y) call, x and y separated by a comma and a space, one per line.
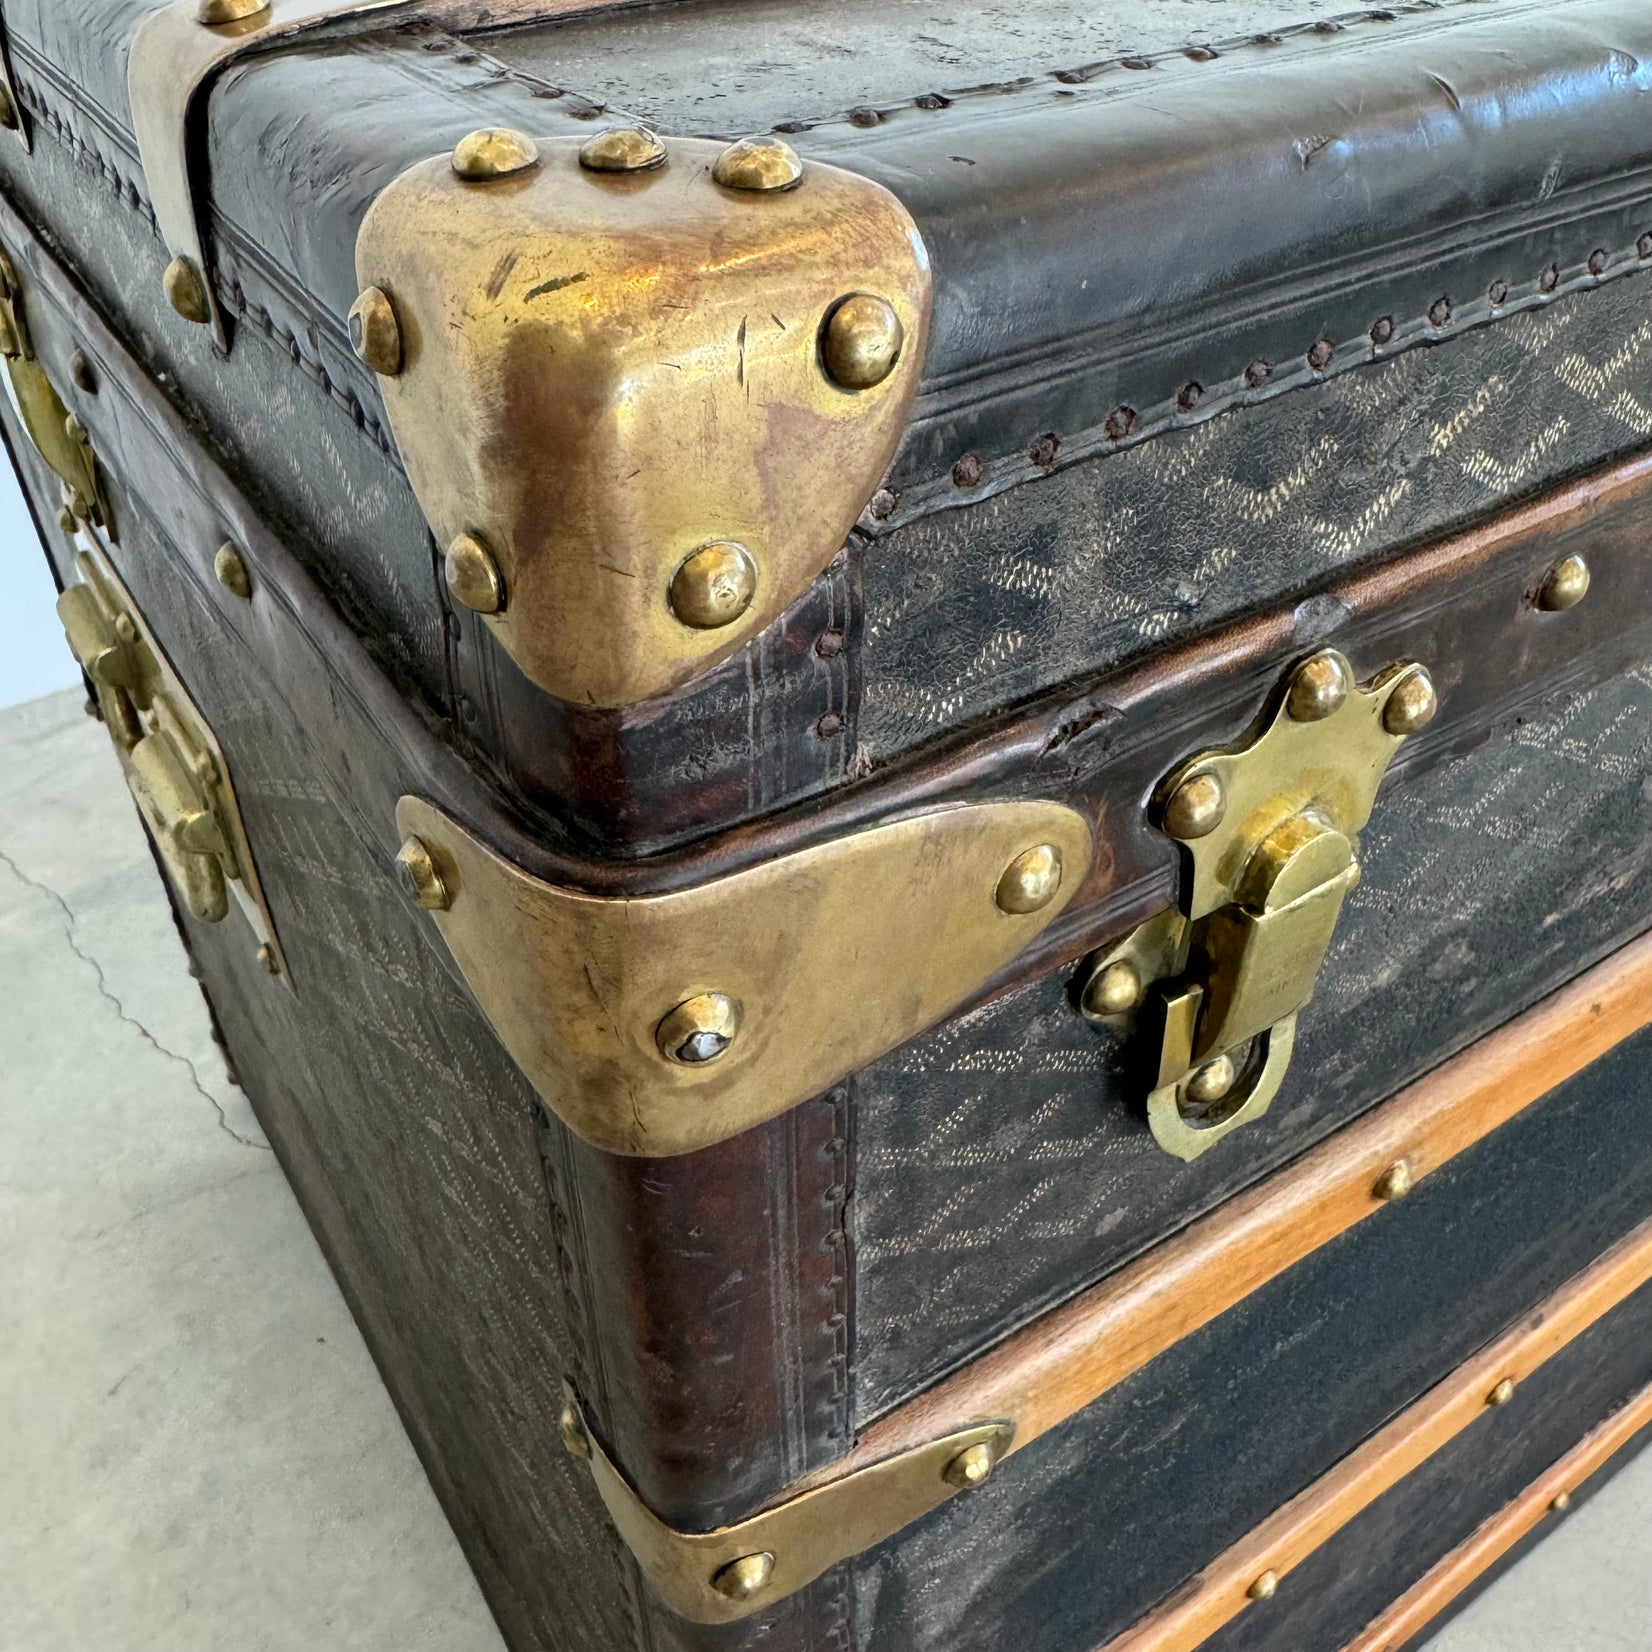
point(1210, 989)
point(173, 764)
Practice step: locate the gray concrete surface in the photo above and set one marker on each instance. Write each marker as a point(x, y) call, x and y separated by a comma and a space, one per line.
point(196, 1454)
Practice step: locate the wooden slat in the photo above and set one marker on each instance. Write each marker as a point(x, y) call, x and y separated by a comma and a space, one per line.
point(1288, 1537)
point(1077, 1352)
point(1425, 1600)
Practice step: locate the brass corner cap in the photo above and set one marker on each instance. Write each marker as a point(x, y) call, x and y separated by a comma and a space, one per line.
point(658, 1024)
point(606, 372)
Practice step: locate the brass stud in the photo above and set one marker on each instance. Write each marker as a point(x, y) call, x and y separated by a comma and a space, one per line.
point(714, 586)
point(861, 341)
point(1195, 808)
point(575, 1441)
point(1115, 990)
point(699, 1029)
point(1412, 703)
point(8, 110)
point(1030, 881)
point(420, 876)
point(972, 1466)
point(1212, 1081)
point(743, 1578)
point(1565, 585)
point(1395, 1182)
point(622, 149)
point(228, 11)
point(473, 576)
point(1264, 1587)
point(1502, 1393)
point(186, 291)
point(762, 164)
point(232, 573)
point(494, 152)
point(267, 960)
point(375, 333)
point(1560, 1503)
point(1318, 689)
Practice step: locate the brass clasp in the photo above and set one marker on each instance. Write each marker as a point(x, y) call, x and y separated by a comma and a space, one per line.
point(1211, 988)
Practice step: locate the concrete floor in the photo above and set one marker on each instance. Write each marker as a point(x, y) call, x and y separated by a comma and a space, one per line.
point(195, 1449)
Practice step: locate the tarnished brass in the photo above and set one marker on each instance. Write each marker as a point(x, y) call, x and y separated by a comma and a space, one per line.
point(1269, 854)
point(420, 877)
point(375, 334)
point(760, 164)
point(473, 575)
point(724, 1575)
point(715, 586)
point(1031, 880)
point(973, 1465)
point(861, 341)
point(1395, 1182)
point(1565, 585)
point(604, 373)
point(231, 570)
point(622, 149)
point(1502, 1393)
point(825, 958)
point(494, 152)
point(174, 766)
point(171, 61)
point(228, 11)
point(186, 290)
point(8, 109)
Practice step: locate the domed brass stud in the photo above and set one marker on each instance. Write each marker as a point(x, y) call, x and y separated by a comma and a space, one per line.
point(494, 152)
point(699, 1029)
point(575, 1441)
point(375, 333)
point(1395, 1182)
point(1565, 585)
point(1561, 1502)
point(1502, 1393)
point(761, 164)
point(420, 877)
point(714, 586)
point(186, 291)
point(1412, 703)
point(1264, 1587)
point(861, 341)
point(1211, 1082)
point(1319, 688)
point(228, 11)
point(1030, 881)
point(1195, 808)
point(743, 1578)
point(1115, 990)
point(231, 570)
point(473, 576)
point(622, 149)
point(972, 1466)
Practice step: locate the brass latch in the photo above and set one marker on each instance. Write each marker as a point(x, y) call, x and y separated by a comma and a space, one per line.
point(1210, 989)
point(172, 762)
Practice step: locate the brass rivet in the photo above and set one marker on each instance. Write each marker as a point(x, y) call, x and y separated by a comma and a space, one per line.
point(1395, 1182)
point(1265, 1587)
point(1502, 1393)
point(267, 960)
point(186, 291)
point(1412, 703)
point(1212, 1081)
point(861, 341)
point(420, 876)
point(622, 149)
point(228, 11)
point(1318, 689)
point(758, 163)
point(972, 1466)
point(1195, 808)
point(575, 1441)
point(473, 576)
point(375, 333)
point(1115, 990)
point(1565, 585)
point(232, 572)
point(8, 110)
point(66, 520)
point(741, 1579)
point(1561, 1502)
point(699, 1029)
point(494, 152)
point(714, 586)
point(1030, 881)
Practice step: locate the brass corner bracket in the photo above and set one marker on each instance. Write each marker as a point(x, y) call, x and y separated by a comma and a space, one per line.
point(724, 1575)
point(1210, 989)
point(642, 386)
point(657, 1024)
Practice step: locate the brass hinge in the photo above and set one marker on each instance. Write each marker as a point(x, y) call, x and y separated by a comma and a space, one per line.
point(172, 761)
point(658, 1024)
point(642, 386)
point(1211, 988)
point(720, 1576)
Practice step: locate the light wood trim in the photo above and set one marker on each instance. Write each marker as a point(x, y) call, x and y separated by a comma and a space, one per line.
point(1431, 1594)
point(1286, 1538)
point(1075, 1353)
